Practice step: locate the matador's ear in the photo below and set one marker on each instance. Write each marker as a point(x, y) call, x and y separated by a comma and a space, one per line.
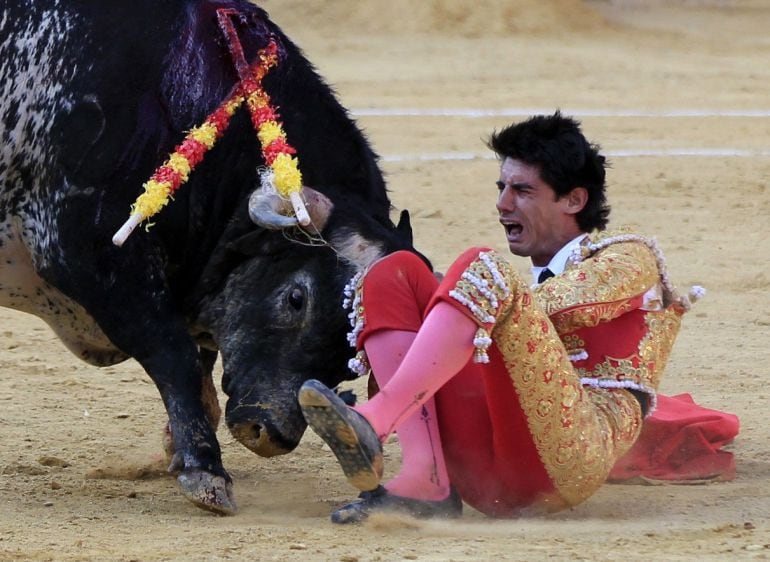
point(576, 200)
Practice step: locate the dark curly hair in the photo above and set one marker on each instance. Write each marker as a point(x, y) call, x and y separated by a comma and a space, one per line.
point(566, 160)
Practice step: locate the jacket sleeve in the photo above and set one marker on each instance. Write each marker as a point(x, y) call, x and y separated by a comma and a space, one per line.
point(602, 287)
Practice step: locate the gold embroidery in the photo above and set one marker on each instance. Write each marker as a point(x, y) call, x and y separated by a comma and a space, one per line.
point(591, 315)
point(574, 345)
point(482, 287)
point(617, 369)
point(573, 341)
point(579, 432)
point(606, 286)
point(587, 292)
point(655, 348)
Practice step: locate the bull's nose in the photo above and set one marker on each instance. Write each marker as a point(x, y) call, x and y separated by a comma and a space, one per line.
point(254, 437)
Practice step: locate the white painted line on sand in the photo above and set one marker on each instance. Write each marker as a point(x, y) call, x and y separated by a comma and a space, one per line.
point(624, 153)
point(526, 111)
point(472, 113)
point(707, 152)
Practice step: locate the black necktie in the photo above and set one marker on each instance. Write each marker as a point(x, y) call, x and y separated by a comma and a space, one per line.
point(545, 274)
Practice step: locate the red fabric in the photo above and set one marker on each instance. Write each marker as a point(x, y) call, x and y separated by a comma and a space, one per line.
point(396, 293)
point(681, 441)
point(490, 454)
point(618, 337)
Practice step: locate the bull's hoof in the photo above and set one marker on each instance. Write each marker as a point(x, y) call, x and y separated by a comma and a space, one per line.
point(207, 491)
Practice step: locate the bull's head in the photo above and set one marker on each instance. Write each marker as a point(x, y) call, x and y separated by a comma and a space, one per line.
point(278, 319)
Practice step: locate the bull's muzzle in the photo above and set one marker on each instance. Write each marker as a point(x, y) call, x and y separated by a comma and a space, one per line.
point(268, 429)
point(256, 437)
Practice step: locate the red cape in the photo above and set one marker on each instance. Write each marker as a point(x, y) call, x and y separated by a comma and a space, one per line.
point(681, 441)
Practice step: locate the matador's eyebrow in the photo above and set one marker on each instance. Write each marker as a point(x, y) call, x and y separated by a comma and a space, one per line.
point(519, 186)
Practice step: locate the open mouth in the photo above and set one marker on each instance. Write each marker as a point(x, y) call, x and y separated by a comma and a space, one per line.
point(513, 229)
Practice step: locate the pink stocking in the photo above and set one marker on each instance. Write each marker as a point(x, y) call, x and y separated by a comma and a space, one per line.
point(409, 369)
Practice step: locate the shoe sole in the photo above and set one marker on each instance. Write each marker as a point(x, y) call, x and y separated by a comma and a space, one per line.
point(331, 425)
point(359, 510)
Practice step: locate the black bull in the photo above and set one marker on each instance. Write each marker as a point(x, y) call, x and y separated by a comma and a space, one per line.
point(93, 97)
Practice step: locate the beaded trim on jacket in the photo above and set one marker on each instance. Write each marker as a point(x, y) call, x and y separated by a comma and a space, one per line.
point(481, 289)
point(670, 293)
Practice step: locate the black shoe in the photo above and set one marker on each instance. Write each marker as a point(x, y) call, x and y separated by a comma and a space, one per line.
point(351, 438)
point(381, 501)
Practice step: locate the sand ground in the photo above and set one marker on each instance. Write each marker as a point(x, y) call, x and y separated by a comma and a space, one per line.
point(678, 95)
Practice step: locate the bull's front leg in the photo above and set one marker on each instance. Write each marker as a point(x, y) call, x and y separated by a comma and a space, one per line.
point(210, 402)
point(126, 292)
point(178, 372)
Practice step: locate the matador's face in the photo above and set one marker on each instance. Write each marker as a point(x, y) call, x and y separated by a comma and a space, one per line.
point(537, 223)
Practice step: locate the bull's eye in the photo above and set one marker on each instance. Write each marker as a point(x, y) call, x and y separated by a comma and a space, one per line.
point(296, 298)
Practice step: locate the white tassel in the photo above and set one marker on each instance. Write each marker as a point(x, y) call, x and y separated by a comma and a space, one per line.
point(696, 293)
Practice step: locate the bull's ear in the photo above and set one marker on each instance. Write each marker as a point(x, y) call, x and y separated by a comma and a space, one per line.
point(404, 227)
point(404, 230)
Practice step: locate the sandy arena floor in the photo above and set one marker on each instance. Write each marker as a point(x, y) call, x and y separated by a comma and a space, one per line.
point(675, 91)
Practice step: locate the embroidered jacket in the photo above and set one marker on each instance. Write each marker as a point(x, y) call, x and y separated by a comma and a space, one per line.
point(616, 312)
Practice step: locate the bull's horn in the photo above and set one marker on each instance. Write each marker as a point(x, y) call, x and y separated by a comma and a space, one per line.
point(269, 210)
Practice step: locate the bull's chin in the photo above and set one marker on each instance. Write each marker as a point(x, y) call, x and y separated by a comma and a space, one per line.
point(259, 442)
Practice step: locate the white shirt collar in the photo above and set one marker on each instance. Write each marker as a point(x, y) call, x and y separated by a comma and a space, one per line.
point(559, 261)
